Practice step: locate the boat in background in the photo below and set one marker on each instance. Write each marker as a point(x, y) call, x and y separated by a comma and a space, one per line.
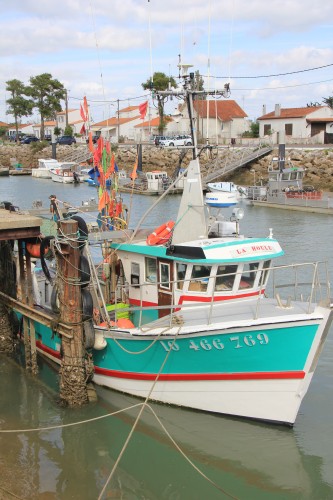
point(43, 170)
point(228, 187)
point(63, 174)
point(221, 199)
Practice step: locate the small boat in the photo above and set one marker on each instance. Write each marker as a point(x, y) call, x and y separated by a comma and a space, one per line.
point(228, 187)
point(62, 174)
point(4, 171)
point(195, 321)
point(221, 199)
point(43, 170)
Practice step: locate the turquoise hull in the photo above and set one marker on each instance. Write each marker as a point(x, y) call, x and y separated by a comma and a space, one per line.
point(273, 350)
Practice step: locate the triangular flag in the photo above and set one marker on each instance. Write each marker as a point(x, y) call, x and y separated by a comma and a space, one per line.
point(83, 130)
point(143, 109)
point(85, 106)
point(82, 113)
point(91, 144)
point(134, 175)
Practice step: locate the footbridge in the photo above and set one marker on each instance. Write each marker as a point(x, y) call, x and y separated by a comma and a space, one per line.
point(230, 160)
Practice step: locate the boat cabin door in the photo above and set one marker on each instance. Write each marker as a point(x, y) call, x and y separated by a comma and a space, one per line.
point(165, 286)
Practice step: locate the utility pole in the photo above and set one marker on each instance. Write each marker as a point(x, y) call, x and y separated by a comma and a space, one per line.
point(118, 120)
point(66, 106)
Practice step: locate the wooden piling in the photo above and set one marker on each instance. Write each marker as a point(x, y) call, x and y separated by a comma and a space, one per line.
point(8, 341)
point(73, 377)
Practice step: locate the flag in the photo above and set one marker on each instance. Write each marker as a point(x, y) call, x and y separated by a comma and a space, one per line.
point(83, 130)
point(85, 106)
point(104, 200)
point(134, 175)
point(111, 167)
point(143, 109)
point(91, 144)
point(83, 116)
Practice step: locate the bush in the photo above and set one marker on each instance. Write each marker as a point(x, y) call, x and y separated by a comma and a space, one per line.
point(38, 146)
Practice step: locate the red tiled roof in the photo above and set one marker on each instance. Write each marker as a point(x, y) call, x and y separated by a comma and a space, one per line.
point(3, 124)
point(129, 108)
point(114, 121)
point(291, 113)
point(224, 110)
point(64, 112)
point(154, 122)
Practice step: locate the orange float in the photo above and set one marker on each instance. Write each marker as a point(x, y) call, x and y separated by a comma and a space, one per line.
point(34, 249)
point(161, 234)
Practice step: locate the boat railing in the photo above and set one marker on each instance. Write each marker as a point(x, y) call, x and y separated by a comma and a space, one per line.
point(307, 282)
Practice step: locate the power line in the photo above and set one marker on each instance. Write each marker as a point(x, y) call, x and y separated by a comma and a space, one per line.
point(286, 86)
point(277, 74)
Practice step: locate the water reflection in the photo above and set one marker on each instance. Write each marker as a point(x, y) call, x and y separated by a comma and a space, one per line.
point(248, 460)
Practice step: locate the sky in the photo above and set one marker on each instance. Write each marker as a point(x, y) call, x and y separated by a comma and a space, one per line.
point(271, 52)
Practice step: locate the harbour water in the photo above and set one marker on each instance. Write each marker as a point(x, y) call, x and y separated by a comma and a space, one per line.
point(202, 456)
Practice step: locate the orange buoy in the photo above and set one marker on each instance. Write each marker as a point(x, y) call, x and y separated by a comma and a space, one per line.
point(120, 323)
point(162, 234)
point(34, 250)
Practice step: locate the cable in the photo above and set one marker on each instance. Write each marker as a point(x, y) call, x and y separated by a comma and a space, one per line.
point(277, 74)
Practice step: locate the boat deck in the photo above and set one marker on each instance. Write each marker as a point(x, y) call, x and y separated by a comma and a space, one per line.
point(229, 315)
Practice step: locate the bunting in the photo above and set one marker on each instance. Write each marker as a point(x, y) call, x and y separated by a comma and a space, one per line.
point(143, 109)
point(82, 113)
point(85, 106)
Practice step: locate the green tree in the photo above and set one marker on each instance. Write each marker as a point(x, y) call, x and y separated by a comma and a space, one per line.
point(3, 132)
point(328, 101)
point(46, 94)
point(68, 130)
point(198, 84)
point(18, 105)
point(57, 131)
point(160, 81)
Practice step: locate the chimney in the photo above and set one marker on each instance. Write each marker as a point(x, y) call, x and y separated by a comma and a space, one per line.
point(277, 109)
point(264, 109)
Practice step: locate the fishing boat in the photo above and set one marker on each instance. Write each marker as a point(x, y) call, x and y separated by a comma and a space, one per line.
point(285, 188)
point(192, 319)
point(62, 174)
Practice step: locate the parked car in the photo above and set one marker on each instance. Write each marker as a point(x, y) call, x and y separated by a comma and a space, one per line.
point(159, 138)
point(66, 140)
point(12, 137)
point(48, 138)
point(179, 140)
point(94, 139)
point(29, 139)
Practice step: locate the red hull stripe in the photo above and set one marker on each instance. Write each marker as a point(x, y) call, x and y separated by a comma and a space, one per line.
point(201, 376)
point(51, 352)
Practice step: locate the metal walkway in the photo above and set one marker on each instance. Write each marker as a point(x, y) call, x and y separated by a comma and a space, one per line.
point(234, 158)
point(79, 155)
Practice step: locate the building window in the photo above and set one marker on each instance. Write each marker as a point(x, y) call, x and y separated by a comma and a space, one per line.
point(288, 128)
point(267, 129)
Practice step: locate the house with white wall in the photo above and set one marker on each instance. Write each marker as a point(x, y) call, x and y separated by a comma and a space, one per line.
point(311, 125)
point(219, 120)
point(122, 125)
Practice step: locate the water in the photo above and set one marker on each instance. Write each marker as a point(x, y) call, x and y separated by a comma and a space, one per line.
point(245, 459)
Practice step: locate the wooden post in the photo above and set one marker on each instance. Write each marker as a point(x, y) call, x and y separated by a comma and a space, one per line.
point(73, 386)
point(31, 324)
point(24, 294)
point(7, 339)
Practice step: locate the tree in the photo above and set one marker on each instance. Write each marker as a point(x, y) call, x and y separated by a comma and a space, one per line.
point(3, 132)
point(328, 101)
point(18, 105)
point(68, 130)
point(198, 84)
point(46, 94)
point(57, 131)
point(160, 81)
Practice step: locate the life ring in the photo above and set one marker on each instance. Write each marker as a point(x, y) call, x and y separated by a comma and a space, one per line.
point(161, 234)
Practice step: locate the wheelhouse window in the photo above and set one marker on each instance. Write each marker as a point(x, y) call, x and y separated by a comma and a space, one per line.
point(199, 278)
point(165, 275)
point(180, 273)
point(150, 270)
point(225, 278)
point(265, 273)
point(135, 274)
point(248, 275)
